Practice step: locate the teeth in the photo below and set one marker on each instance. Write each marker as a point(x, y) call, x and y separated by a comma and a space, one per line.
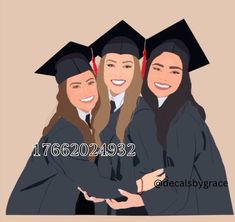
point(88, 99)
point(164, 86)
point(118, 82)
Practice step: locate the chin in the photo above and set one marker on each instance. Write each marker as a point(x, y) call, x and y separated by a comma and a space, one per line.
point(117, 91)
point(89, 107)
point(161, 94)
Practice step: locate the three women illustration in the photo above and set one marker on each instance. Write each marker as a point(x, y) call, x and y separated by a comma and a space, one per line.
point(120, 145)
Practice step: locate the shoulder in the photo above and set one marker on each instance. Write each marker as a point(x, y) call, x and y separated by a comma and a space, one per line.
point(63, 128)
point(189, 117)
point(143, 114)
point(142, 106)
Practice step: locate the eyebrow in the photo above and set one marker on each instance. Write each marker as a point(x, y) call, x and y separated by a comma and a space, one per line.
point(111, 60)
point(158, 64)
point(127, 61)
point(89, 79)
point(75, 83)
point(175, 67)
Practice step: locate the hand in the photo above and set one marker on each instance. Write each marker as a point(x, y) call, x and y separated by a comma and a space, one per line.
point(150, 179)
point(133, 200)
point(87, 197)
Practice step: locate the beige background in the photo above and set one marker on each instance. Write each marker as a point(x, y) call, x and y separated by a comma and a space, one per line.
point(32, 31)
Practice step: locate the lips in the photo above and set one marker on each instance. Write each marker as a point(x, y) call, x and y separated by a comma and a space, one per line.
point(162, 86)
point(118, 82)
point(87, 99)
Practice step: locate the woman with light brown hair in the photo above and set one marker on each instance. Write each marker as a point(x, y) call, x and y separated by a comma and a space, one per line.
point(122, 116)
point(63, 158)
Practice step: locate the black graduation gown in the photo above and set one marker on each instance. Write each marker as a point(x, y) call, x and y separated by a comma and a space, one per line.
point(48, 184)
point(141, 131)
point(191, 155)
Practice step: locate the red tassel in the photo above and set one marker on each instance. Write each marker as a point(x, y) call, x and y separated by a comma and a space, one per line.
point(94, 66)
point(144, 62)
point(93, 62)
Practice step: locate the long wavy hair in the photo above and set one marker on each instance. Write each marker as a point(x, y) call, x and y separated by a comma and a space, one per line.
point(69, 112)
point(166, 113)
point(102, 110)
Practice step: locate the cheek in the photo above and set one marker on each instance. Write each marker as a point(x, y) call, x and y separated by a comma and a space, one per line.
point(128, 74)
point(107, 79)
point(175, 81)
point(108, 75)
point(150, 81)
point(74, 97)
point(109, 72)
point(93, 89)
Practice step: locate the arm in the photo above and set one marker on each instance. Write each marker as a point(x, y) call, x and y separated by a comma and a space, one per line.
point(81, 171)
point(182, 149)
point(143, 133)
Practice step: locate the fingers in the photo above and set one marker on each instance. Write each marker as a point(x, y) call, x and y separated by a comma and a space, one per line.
point(87, 196)
point(114, 201)
point(116, 205)
point(162, 177)
point(80, 189)
point(97, 200)
point(159, 171)
point(109, 202)
point(84, 193)
point(124, 193)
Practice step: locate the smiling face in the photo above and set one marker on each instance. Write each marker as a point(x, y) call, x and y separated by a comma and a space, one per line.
point(165, 74)
point(118, 72)
point(82, 91)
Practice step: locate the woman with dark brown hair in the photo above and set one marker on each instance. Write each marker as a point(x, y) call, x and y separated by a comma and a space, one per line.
point(62, 161)
point(196, 182)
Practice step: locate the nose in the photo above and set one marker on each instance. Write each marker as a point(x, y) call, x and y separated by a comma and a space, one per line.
point(85, 91)
point(163, 76)
point(118, 71)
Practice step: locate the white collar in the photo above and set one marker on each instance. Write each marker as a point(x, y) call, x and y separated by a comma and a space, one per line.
point(83, 114)
point(118, 99)
point(161, 100)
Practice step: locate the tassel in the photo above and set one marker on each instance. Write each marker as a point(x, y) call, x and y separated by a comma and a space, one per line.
point(93, 63)
point(144, 61)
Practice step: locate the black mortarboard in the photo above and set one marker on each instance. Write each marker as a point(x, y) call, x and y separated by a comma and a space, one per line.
point(121, 39)
point(170, 36)
point(71, 60)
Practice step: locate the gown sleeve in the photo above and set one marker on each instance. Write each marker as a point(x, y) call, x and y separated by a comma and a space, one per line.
point(83, 172)
point(148, 150)
point(184, 141)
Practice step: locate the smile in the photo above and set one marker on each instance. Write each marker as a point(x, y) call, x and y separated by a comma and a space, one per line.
point(87, 99)
point(162, 86)
point(118, 82)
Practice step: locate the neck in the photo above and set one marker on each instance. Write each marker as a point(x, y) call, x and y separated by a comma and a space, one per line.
point(113, 94)
point(161, 100)
point(83, 110)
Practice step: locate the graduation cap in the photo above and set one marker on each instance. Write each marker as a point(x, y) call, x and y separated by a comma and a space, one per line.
point(71, 60)
point(121, 39)
point(173, 35)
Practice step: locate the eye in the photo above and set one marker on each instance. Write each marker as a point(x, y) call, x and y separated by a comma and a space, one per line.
point(91, 82)
point(127, 66)
point(156, 68)
point(110, 65)
point(175, 72)
point(75, 86)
